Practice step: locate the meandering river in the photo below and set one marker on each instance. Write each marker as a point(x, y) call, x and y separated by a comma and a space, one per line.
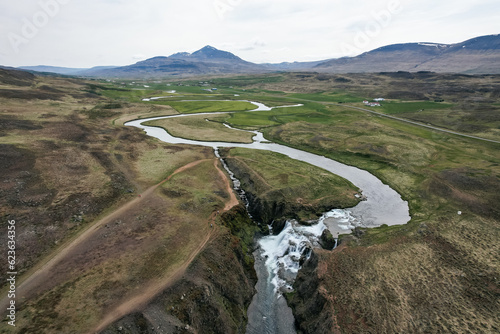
point(277, 257)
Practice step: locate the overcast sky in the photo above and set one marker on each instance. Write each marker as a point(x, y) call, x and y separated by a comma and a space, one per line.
point(86, 33)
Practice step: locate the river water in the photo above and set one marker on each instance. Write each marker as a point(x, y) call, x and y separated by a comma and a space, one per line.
point(278, 256)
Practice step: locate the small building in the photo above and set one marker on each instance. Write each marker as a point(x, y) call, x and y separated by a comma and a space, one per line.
point(372, 104)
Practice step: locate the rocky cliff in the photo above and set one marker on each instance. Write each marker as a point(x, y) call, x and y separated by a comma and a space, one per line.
point(312, 309)
point(275, 206)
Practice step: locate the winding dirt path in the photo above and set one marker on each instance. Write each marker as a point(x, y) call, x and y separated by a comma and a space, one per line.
point(30, 283)
point(141, 299)
point(233, 200)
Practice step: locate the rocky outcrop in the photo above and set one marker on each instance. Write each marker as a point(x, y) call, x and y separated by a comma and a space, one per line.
point(310, 307)
point(266, 211)
point(273, 207)
point(327, 241)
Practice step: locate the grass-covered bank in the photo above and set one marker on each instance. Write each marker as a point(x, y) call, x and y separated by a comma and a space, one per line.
point(204, 128)
point(414, 161)
point(279, 187)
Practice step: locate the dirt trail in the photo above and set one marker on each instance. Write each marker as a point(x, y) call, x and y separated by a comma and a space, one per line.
point(152, 290)
point(233, 200)
point(142, 298)
point(30, 285)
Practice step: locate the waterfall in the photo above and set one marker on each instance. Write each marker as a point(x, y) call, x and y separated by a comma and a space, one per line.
point(236, 182)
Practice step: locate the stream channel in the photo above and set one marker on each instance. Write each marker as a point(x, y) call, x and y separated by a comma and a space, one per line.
point(277, 257)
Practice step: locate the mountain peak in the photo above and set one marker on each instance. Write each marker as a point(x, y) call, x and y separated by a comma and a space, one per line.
point(209, 52)
point(208, 48)
point(180, 55)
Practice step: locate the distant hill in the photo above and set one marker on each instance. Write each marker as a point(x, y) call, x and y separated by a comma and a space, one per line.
point(295, 66)
point(53, 69)
point(65, 70)
point(11, 76)
point(207, 60)
point(475, 56)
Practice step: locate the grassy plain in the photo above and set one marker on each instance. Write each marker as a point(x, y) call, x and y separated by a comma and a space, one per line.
point(190, 107)
point(275, 178)
point(405, 107)
point(202, 128)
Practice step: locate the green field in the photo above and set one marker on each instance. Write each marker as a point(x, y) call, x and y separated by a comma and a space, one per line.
point(312, 112)
point(405, 107)
point(304, 190)
point(329, 97)
point(191, 107)
point(200, 128)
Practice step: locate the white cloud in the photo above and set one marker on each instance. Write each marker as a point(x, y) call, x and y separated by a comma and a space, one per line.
point(114, 32)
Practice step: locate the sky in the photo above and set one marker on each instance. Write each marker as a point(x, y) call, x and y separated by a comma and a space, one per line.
point(87, 33)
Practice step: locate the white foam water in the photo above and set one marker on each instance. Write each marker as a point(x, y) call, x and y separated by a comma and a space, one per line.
point(284, 253)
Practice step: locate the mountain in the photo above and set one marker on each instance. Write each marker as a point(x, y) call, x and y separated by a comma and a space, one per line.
point(95, 69)
point(209, 53)
point(295, 66)
point(207, 60)
point(475, 56)
point(53, 69)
